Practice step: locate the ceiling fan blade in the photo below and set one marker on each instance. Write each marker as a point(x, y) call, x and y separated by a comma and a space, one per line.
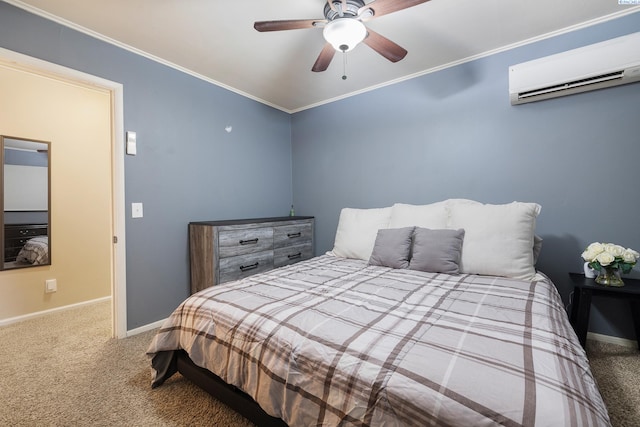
point(290, 24)
point(384, 7)
point(324, 59)
point(384, 46)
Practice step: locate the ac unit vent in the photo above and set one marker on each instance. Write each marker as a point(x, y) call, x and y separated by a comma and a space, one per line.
point(583, 83)
point(610, 63)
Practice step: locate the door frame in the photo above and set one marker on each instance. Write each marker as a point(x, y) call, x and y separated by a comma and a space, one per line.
point(118, 261)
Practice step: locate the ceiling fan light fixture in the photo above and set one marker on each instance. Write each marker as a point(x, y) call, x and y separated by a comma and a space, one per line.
point(344, 33)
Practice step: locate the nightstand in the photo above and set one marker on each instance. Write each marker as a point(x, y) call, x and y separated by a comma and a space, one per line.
point(585, 289)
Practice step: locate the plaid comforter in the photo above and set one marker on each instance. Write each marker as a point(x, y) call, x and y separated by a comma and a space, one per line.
point(35, 251)
point(332, 341)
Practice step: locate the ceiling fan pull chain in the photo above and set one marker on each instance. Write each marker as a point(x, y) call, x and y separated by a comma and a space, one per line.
point(344, 65)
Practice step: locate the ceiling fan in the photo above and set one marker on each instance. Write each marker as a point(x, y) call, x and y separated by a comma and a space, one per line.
point(343, 28)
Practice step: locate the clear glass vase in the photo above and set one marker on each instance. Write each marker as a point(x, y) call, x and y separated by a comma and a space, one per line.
point(609, 277)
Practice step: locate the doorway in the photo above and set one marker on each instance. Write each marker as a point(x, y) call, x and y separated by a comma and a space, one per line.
point(87, 181)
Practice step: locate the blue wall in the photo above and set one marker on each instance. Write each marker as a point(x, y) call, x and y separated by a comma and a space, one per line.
point(454, 134)
point(448, 134)
point(187, 168)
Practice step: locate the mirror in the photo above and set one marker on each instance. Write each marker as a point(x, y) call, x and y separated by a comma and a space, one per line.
point(25, 201)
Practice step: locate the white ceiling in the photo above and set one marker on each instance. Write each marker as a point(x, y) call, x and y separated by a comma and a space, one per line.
point(215, 40)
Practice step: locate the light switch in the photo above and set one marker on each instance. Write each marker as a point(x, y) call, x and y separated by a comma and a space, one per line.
point(131, 143)
point(136, 210)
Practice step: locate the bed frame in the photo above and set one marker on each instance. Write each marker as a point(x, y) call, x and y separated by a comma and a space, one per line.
point(230, 395)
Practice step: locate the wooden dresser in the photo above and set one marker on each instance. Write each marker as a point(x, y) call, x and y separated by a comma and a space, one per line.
point(222, 251)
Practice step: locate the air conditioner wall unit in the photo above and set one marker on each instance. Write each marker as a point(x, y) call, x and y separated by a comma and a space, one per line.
point(610, 63)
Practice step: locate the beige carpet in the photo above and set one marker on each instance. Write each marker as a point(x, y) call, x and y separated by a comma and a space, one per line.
point(617, 371)
point(64, 370)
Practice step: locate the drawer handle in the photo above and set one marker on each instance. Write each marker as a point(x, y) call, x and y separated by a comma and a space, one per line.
point(292, 235)
point(249, 267)
point(249, 242)
point(295, 256)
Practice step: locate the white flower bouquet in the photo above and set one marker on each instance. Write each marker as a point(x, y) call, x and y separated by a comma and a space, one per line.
point(610, 256)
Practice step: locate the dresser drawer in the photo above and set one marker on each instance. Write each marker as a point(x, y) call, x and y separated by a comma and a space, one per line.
point(17, 242)
point(292, 254)
point(18, 231)
point(244, 241)
point(238, 267)
point(294, 234)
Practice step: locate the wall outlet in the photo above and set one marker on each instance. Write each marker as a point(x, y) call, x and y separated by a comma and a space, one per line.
point(50, 286)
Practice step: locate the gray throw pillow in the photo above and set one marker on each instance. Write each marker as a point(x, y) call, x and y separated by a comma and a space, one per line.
point(437, 251)
point(392, 247)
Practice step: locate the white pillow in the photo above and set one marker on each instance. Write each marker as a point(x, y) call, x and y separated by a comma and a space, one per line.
point(498, 239)
point(357, 231)
point(433, 216)
point(457, 203)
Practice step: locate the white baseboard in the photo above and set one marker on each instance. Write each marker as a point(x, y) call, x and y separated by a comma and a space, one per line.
point(11, 320)
point(612, 340)
point(145, 328)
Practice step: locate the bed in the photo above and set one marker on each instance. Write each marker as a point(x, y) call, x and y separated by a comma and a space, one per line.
point(35, 251)
point(368, 335)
